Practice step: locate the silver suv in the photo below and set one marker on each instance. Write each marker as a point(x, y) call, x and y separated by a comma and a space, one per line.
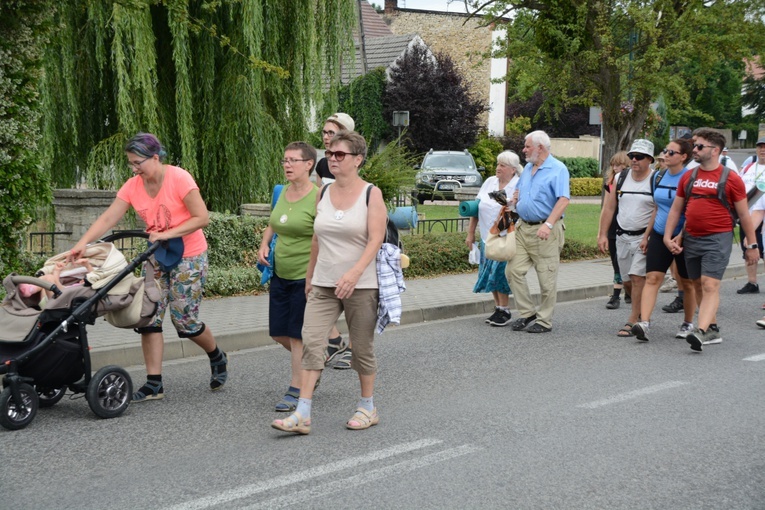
point(444, 172)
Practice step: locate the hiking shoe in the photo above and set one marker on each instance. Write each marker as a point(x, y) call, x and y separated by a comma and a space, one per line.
point(614, 302)
point(219, 373)
point(521, 323)
point(335, 347)
point(696, 339)
point(713, 336)
point(640, 330)
point(149, 391)
point(686, 328)
point(502, 318)
point(675, 306)
point(749, 288)
point(627, 299)
point(344, 361)
point(669, 285)
point(493, 316)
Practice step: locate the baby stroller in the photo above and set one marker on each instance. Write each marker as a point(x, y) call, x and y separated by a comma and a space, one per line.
point(45, 352)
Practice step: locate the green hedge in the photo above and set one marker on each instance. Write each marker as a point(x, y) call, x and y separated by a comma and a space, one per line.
point(581, 167)
point(586, 186)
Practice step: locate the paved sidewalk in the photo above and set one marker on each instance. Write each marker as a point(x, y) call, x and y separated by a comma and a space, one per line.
point(242, 322)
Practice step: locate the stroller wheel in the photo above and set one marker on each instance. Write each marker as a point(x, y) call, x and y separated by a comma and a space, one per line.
point(17, 415)
point(49, 397)
point(109, 392)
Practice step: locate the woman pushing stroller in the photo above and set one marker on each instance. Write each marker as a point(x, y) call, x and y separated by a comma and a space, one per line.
point(167, 199)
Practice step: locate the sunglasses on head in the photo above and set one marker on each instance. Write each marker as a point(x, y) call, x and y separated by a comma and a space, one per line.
point(338, 155)
point(637, 156)
point(670, 152)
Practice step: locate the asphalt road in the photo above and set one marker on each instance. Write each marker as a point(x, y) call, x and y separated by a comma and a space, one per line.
point(471, 417)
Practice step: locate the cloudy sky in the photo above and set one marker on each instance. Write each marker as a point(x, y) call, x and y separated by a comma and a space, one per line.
point(430, 5)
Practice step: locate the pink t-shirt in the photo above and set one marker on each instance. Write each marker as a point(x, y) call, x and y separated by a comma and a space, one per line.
point(166, 210)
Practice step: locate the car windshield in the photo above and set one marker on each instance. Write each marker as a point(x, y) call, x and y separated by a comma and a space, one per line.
point(450, 161)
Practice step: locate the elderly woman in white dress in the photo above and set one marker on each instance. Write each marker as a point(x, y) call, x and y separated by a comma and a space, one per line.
point(491, 273)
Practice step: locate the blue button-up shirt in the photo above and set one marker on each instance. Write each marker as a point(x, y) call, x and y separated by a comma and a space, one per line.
point(539, 193)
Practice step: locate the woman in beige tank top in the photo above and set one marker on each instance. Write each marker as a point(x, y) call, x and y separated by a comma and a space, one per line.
point(342, 277)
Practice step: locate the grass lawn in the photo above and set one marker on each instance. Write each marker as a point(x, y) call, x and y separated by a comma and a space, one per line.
point(581, 219)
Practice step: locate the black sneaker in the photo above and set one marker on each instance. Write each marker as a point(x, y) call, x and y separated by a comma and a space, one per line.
point(675, 306)
point(749, 288)
point(538, 328)
point(628, 299)
point(521, 323)
point(613, 303)
point(502, 318)
point(494, 316)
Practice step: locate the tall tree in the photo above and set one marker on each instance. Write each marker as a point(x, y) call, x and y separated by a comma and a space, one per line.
point(622, 55)
point(442, 112)
point(24, 28)
point(223, 83)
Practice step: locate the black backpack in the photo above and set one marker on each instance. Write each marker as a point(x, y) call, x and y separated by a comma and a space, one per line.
point(620, 182)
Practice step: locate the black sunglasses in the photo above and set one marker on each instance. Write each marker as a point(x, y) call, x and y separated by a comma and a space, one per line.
point(671, 152)
point(339, 155)
point(637, 157)
point(700, 146)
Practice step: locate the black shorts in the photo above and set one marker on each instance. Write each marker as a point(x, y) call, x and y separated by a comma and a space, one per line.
point(286, 307)
point(659, 258)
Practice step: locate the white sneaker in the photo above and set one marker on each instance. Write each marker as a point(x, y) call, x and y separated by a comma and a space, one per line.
point(640, 330)
point(669, 285)
point(686, 328)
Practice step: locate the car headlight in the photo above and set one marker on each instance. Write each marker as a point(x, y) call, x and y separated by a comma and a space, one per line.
point(470, 179)
point(424, 177)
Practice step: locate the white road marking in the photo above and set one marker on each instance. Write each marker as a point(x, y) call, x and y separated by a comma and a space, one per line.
point(343, 484)
point(302, 476)
point(633, 394)
point(759, 357)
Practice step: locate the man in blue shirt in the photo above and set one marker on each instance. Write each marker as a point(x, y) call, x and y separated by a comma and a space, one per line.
point(542, 197)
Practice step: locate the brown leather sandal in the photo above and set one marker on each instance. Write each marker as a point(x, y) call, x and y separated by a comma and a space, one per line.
point(363, 419)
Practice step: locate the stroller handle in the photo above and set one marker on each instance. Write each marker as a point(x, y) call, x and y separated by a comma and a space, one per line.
point(125, 234)
point(49, 286)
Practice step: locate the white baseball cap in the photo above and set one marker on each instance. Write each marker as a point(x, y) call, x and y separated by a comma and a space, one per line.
point(642, 146)
point(343, 119)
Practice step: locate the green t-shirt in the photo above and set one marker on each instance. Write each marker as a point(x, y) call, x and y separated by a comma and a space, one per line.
point(293, 222)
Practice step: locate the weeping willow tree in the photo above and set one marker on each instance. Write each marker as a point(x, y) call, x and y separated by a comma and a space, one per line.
point(225, 84)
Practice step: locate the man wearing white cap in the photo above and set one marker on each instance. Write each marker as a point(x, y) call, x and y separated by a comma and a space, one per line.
point(635, 200)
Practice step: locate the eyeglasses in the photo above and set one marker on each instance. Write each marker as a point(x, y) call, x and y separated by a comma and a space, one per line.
point(339, 155)
point(291, 161)
point(670, 152)
point(700, 146)
point(637, 157)
point(328, 133)
point(136, 164)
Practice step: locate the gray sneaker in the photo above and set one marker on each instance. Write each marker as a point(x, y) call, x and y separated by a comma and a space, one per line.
point(686, 328)
point(712, 336)
point(640, 330)
point(696, 339)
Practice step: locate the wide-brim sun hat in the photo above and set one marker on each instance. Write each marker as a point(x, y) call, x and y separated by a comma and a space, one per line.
point(642, 146)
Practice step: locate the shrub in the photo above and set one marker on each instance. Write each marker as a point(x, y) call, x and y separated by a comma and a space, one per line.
point(485, 152)
point(436, 254)
point(586, 186)
point(576, 250)
point(234, 240)
point(581, 167)
point(391, 170)
point(232, 281)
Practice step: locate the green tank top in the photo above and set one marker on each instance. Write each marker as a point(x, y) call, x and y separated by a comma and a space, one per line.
point(293, 222)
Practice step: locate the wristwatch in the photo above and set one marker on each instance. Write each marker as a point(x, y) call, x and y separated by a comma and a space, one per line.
point(548, 225)
point(752, 246)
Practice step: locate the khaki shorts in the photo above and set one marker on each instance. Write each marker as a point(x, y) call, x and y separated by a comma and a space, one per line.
point(321, 313)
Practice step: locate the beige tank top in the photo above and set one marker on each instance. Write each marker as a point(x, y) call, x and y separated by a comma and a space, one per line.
point(342, 237)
